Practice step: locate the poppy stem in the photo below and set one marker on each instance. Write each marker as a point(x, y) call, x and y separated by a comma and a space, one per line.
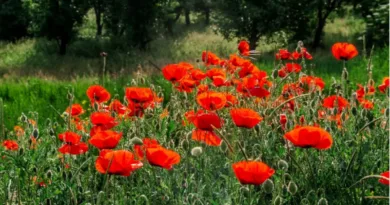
point(277, 108)
point(224, 139)
point(242, 150)
point(311, 167)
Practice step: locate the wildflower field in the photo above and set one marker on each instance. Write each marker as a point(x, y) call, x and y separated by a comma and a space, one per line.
point(221, 131)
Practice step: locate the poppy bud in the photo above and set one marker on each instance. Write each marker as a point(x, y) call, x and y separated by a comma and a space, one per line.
point(278, 200)
point(136, 141)
point(64, 176)
point(245, 191)
point(49, 174)
point(302, 119)
point(133, 82)
point(55, 124)
point(283, 165)
point(80, 189)
point(48, 202)
point(70, 175)
point(292, 188)
point(275, 73)
point(268, 186)
point(283, 119)
point(196, 151)
point(328, 129)
point(143, 81)
point(70, 96)
point(100, 197)
point(354, 111)
point(387, 112)
point(363, 113)
point(21, 151)
point(23, 118)
point(34, 170)
point(35, 133)
point(322, 201)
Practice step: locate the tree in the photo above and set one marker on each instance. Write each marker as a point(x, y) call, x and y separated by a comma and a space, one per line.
point(376, 15)
point(98, 8)
point(14, 19)
point(136, 21)
point(249, 19)
point(323, 8)
point(57, 19)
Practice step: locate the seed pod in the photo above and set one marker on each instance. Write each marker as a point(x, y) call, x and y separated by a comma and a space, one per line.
point(283, 165)
point(322, 201)
point(278, 200)
point(196, 151)
point(136, 141)
point(292, 188)
point(268, 186)
point(35, 133)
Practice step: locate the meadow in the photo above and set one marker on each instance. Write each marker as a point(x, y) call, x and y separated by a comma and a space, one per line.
point(157, 131)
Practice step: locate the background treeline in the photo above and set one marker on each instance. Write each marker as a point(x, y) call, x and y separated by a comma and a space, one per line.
point(137, 23)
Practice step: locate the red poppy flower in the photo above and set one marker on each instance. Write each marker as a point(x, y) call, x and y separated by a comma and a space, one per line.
point(208, 137)
point(202, 88)
point(283, 120)
point(197, 74)
point(120, 162)
point(206, 121)
point(244, 117)
point(311, 80)
point(173, 72)
point(259, 92)
point(97, 93)
point(211, 100)
point(309, 136)
point(282, 73)
point(335, 102)
point(215, 72)
point(283, 54)
point(103, 120)
point(219, 81)
point(69, 137)
point(385, 181)
point(366, 104)
point(75, 110)
point(117, 107)
point(247, 69)
point(243, 47)
point(385, 85)
point(293, 67)
point(236, 60)
point(74, 149)
point(230, 100)
point(139, 95)
point(344, 51)
point(10, 145)
point(106, 139)
point(146, 143)
point(252, 172)
point(186, 84)
point(210, 58)
point(162, 157)
point(306, 54)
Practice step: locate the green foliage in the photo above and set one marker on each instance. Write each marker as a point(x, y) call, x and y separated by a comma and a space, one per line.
point(249, 19)
point(14, 19)
point(57, 19)
point(376, 15)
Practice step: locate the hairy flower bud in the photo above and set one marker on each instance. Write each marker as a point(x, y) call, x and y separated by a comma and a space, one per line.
point(283, 165)
point(292, 188)
point(196, 151)
point(268, 186)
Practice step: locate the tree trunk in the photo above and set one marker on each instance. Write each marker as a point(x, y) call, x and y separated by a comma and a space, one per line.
point(63, 44)
point(318, 33)
point(99, 25)
point(187, 16)
point(207, 14)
